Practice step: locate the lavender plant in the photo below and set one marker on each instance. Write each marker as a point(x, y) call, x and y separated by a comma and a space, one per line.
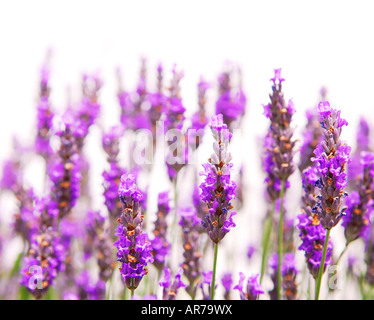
point(217, 189)
point(332, 158)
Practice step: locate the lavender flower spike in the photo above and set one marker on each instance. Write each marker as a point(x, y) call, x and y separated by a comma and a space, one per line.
point(217, 190)
point(280, 115)
point(332, 157)
point(191, 254)
point(134, 248)
point(360, 203)
point(289, 273)
point(160, 244)
point(312, 234)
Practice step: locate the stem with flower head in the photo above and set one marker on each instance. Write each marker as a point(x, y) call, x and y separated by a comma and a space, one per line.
point(322, 265)
point(280, 241)
point(212, 289)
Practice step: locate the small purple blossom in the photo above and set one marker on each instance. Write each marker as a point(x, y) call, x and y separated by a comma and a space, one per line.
point(252, 289)
point(171, 288)
point(226, 281)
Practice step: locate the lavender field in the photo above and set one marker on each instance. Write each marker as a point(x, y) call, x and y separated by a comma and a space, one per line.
point(186, 151)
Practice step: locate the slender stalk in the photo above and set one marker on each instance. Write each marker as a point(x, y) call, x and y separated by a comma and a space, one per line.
point(280, 241)
point(322, 266)
point(337, 263)
point(266, 241)
point(212, 289)
point(132, 293)
point(341, 254)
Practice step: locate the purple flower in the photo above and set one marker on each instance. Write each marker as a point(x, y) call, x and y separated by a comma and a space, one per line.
point(252, 290)
point(227, 283)
point(289, 273)
point(231, 102)
point(332, 158)
point(46, 253)
point(134, 249)
point(311, 138)
point(355, 169)
point(250, 251)
point(312, 235)
point(369, 256)
point(175, 110)
point(133, 113)
point(88, 289)
point(280, 146)
point(170, 290)
point(112, 176)
point(88, 110)
point(205, 284)
point(44, 115)
point(217, 189)
point(356, 222)
point(160, 244)
point(199, 120)
point(64, 171)
point(191, 253)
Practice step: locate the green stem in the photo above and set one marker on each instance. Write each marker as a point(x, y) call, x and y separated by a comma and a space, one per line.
point(266, 241)
point(322, 266)
point(280, 241)
point(132, 293)
point(337, 262)
point(212, 289)
point(341, 254)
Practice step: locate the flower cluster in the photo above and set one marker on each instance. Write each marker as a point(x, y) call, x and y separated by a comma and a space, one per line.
point(289, 273)
point(360, 203)
point(44, 116)
point(134, 248)
point(170, 289)
point(362, 145)
point(191, 254)
point(231, 103)
point(252, 290)
point(46, 254)
point(226, 281)
point(312, 233)
point(331, 158)
point(65, 171)
point(160, 244)
point(218, 190)
point(112, 176)
point(280, 144)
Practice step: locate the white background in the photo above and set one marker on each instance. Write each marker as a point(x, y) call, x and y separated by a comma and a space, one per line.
point(317, 43)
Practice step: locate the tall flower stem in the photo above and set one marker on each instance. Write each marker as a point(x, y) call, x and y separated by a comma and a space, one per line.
point(322, 266)
point(212, 289)
point(280, 241)
point(266, 241)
